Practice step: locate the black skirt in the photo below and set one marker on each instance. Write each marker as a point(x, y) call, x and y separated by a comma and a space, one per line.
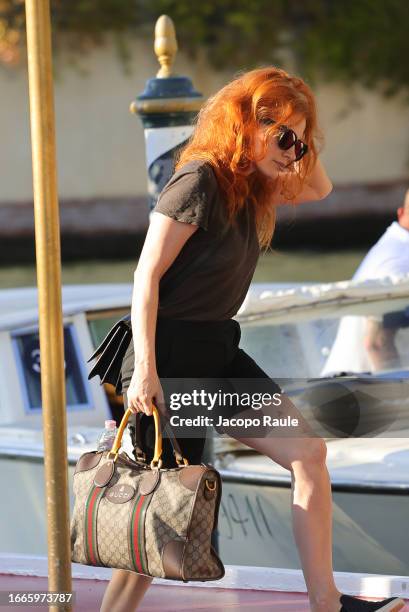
point(185, 352)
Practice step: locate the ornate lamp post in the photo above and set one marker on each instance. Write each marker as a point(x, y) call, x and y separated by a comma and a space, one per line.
point(167, 108)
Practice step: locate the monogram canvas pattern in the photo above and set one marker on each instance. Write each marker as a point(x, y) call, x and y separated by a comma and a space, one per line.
point(167, 519)
point(168, 516)
point(81, 486)
point(112, 523)
point(199, 562)
point(112, 530)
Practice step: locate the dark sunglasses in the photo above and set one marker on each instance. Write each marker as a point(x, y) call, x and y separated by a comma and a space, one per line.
point(287, 138)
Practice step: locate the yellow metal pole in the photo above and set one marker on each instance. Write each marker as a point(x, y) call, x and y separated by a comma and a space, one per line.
point(48, 254)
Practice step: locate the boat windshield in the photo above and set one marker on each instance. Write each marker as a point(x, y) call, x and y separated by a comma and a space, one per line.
point(365, 337)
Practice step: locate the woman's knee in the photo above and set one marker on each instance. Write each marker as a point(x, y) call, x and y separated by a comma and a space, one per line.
point(311, 453)
point(125, 577)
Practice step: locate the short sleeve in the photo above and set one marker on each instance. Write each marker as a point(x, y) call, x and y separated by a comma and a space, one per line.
point(189, 195)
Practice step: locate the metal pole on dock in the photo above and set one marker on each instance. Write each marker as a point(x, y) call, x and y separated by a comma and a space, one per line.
point(48, 256)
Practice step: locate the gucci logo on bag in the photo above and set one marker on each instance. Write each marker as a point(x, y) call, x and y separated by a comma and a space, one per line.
point(120, 493)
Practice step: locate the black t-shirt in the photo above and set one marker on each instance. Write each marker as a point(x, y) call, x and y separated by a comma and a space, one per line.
point(210, 277)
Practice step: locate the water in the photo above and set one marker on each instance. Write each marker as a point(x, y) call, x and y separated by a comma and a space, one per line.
point(278, 266)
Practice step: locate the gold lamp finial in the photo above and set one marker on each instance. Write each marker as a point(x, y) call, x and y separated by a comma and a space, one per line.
point(166, 45)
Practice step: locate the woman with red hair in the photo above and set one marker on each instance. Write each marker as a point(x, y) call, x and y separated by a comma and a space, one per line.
point(254, 147)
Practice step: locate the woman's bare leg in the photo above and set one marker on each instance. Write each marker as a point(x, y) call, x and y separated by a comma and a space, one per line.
point(125, 591)
point(311, 501)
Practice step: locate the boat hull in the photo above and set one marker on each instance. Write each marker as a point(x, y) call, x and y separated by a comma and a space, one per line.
point(255, 528)
point(254, 522)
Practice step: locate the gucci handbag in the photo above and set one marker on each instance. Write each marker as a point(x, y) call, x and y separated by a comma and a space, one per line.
point(145, 518)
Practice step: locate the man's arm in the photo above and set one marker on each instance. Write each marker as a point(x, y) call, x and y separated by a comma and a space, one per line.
point(317, 186)
point(379, 343)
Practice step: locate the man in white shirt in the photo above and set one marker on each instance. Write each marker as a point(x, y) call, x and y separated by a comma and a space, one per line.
point(390, 255)
point(365, 343)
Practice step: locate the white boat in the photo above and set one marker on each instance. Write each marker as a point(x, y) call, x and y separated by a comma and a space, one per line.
point(279, 322)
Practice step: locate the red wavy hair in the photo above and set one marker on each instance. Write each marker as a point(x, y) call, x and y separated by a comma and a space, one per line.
point(224, 136)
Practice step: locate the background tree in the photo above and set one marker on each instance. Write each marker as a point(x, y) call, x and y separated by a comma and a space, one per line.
point(362, 41)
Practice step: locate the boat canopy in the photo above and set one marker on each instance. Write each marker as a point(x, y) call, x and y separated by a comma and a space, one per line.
point(269, 299)
point(19, 307)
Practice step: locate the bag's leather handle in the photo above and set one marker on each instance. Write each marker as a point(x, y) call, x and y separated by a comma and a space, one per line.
point(157, 457)
point(175, 444)
point(141, 455)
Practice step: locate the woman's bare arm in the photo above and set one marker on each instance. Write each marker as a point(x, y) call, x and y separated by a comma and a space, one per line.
point(164, 240)
point(317, 186)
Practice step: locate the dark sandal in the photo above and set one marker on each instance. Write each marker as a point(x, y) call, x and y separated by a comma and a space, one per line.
point(353, 604)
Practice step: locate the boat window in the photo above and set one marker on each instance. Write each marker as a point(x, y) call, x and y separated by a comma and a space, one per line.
point(372, 339)
point(288, 350)
point(100, 324)
point(27, 349)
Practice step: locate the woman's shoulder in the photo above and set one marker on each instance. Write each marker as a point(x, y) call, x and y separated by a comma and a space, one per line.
point(198, 172)
point(190, 194)
point(195, 176)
